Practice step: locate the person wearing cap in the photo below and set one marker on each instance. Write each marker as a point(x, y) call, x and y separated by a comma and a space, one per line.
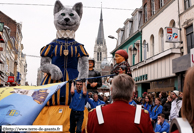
point(121, 57)
point(93, 84)
point(175, 105)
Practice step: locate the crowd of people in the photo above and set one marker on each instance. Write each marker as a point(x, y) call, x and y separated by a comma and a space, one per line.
point(161, 109)
point(123, 111)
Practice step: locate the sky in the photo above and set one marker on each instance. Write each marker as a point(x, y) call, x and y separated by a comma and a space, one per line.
point(38, 27)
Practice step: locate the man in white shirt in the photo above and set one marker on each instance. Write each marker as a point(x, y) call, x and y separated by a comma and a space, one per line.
point(175, 105)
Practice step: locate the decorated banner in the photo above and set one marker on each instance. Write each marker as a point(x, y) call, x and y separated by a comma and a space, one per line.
point(20, 105)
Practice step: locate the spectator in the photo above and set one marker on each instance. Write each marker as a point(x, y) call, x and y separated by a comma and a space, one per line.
point(167, 107)
point(162, 125)
point(95, 102)
point(139, 100)
point(77, 105)
point(156, 111)
point(153, 97)
point(105, 99)
point(181, 95)
point(88, 106)
point(132, 102)
point(147, 103)
point(90, 95)
point(119, 116)
point(175, 105)
point(160, 95)
point(143, 97)
point(164, 98)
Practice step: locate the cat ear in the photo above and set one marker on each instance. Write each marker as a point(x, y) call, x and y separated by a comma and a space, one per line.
point(78, 7)
point(58, 6)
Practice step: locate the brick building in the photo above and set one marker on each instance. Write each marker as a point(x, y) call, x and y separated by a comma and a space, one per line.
point(151, 7)
point(15, 63)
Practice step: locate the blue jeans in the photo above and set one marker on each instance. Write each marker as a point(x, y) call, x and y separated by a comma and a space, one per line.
point(76, 116)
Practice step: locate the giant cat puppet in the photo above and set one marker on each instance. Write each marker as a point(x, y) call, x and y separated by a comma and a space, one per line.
point(60, 59)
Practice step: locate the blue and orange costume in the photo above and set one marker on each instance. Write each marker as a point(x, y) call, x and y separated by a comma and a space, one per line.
point(68, 65)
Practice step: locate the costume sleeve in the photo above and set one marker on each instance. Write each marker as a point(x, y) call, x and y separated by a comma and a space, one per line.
point(81, 51)
point(115, 70)
point(46, 51)
point(128, 69)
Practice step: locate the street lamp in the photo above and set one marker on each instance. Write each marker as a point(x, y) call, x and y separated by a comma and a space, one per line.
point(112, 37)
point(134, 50)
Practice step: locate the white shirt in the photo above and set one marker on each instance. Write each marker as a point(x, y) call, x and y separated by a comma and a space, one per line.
point(175, 108)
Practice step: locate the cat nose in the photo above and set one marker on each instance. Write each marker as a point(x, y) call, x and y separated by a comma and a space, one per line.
point(66, 19)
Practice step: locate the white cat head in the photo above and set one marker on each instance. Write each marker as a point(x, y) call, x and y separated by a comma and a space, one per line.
point(67, 18)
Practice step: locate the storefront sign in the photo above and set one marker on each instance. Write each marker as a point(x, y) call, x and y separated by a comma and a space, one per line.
point(192, 56)
point(140, 78)
point(172, 35)
point(164, 83)
point(181, 64)
point(10, 79)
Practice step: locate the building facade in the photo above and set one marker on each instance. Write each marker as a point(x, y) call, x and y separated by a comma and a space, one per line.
point(181, 64)
point(15, 61)
point(130, 36)
point(100, 49)
point(154, 73)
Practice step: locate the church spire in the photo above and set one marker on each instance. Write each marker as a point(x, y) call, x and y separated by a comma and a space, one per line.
point(100, 38)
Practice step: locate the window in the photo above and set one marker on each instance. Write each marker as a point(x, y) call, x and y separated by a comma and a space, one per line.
point(161, 35)
point(190, 38)
point(130, 59)
point(145, 50)
point(145, 12)
point(187, 4)
point(153, 7)
point(97, 56)
point(161, 3)
point(152, 45)
point(137, 56)
point(100, 56)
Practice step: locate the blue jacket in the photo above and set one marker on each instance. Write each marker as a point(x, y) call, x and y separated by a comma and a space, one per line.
point(132, 103)
point(162, 128)
point(154, 114)
point(148, 107)
point(95, 103)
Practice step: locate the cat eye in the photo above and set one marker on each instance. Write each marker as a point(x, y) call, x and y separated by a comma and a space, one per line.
point(71, 14)
point(63, 14)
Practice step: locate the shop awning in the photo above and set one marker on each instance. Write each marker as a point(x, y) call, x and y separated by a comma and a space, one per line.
point(161, 89)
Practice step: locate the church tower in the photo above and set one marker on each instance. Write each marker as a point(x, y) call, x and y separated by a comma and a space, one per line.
point(100, 49)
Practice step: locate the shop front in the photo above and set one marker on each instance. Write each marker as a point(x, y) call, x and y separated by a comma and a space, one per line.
point(180, 66)
point(155, 73)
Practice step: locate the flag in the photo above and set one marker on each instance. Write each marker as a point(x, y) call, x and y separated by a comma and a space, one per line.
point(20, 105)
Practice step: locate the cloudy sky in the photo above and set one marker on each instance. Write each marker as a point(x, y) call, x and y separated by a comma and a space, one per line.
point(38, 27)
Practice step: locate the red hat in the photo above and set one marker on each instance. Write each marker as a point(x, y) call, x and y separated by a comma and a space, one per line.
point(122, 53)
point(145, 93)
